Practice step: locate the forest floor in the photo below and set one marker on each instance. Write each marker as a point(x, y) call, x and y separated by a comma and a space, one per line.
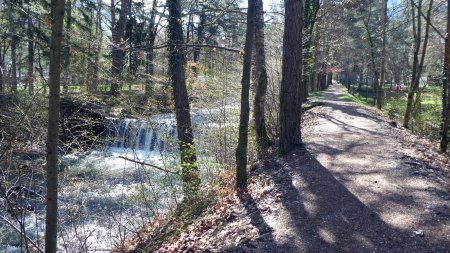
point(359, 184)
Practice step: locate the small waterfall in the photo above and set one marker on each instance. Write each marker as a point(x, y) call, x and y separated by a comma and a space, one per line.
point(159, 132)
point(151, 135)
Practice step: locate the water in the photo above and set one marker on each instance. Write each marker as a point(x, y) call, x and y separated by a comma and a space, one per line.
point(145, 136)
point(105, 198)
point(124, 193)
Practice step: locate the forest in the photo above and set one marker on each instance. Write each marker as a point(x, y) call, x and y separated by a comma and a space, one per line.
point(224, 126)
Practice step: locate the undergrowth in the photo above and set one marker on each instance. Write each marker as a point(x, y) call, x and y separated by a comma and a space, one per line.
point(170, 226)
point(427, 111)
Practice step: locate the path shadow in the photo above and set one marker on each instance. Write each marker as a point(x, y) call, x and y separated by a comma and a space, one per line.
point(324, 216)
point(265, 242)
point(320, 214)
point(332, 98)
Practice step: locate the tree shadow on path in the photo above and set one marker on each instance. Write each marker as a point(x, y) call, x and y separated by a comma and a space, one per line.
point(321, 215)
point(318, 213)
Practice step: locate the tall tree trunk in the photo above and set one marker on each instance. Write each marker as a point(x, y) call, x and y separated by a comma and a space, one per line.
point(311, 9)
point(376, 81)
point(290, 105)
point(383, 54)
point(88, 59)
point(99, 36)
point(200, 35)
point(376, 85)
point(118, 37)
point(2, 88)
point(311, 78)
point(133, 41)
point(200, 39)
point(417, 64)
point(315, 67)
point(189, 30)
point(39, 65)
point(66, 62)
point(446, 87)
point(191, 179)
point(13, 36)
point(241, 150)
point(262, 138)
point(417, 38)
point(323, 79)
point(329, 79)
point(51, 221)
point(150, 65)
point(30, 34)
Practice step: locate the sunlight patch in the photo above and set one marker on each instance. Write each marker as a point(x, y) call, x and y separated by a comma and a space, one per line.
point(364, 241)
point(327, 235)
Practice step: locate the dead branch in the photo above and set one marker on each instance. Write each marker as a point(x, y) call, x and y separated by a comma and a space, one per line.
point(148, 164)
point(21, 233)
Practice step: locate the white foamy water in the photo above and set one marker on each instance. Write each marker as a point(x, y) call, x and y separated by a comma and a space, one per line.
point(105, 198)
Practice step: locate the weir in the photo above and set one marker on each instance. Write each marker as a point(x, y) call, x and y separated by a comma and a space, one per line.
point(150, 135)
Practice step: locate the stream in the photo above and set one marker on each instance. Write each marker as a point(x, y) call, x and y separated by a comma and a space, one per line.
point(104, 198)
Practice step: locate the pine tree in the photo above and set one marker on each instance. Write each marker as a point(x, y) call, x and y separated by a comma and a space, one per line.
point(51, 220)
point(241, 150)
point(290, 92)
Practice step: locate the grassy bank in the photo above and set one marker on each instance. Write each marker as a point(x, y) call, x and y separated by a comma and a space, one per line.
point(427, 113)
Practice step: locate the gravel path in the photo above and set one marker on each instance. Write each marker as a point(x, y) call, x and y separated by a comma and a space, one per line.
point(354, 187)
point(358, 189)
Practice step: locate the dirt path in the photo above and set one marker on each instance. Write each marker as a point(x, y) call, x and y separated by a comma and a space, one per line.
point(397, 202)
point(353, 188)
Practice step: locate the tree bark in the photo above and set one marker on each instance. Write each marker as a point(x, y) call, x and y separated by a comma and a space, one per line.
point(417, 64)
point(310, 15)
point(13, 36)
point(118, 37)
point(30, 34)
point(2, 88)
point(315, 69)
point(376, 82)
point(412, 88)
point(51, 221)
point(66, 62)
point(150, 57)
point(189, 29)
point(99, 36)
point(446, 87)
point(383, 54)
point(191, 179)
point(262, 138)
point(241, 150)
point(290, 104)
point(200, 35)
point(329, 79)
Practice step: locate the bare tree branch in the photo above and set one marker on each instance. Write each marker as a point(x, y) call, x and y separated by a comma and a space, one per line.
point(21, 233)
point(148, 164)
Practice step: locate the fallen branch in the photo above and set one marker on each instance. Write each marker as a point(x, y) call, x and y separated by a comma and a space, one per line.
point(148, 164)
point(311, 105)
point(22, 234)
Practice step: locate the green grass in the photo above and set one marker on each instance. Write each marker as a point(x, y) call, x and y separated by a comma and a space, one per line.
point(358, 98)
point(427, 116)
point(315, 97)
point(316, 94)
